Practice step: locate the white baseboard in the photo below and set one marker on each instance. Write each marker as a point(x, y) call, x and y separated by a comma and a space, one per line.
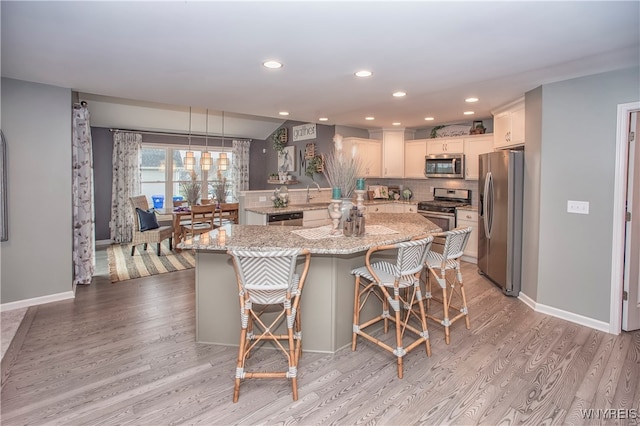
point(565, 315)
point(36, 301)
point(101, 243)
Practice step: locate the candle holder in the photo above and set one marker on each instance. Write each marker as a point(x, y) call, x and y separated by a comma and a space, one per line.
point(360, 201)
point(335, 213)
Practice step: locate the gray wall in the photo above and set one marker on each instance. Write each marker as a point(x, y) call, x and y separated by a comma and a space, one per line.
point(36, 121)
point(264, 159)
point(576, 162)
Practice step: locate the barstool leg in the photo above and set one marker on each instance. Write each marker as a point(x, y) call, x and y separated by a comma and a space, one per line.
point(423, 319)
point(445, 312)
point(356, 313)
point(399, 346)
point(464, 300)
point(240, 364)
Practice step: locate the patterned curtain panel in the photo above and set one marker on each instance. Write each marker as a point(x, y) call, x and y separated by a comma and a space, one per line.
point(83, 218)
point(127, 148)
point(240, 166)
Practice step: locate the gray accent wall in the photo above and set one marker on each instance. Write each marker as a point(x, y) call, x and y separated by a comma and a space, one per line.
point(36, 121)
point(575, 153)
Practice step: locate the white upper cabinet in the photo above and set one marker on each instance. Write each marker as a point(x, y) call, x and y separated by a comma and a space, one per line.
point(370, 150)
point(445, 146)
point(392, 150)
point(508, 125)
point(473, 147)
point(414, 153)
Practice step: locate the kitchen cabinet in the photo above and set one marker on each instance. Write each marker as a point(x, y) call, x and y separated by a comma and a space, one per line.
point(313, 218)
point(392, 150)
point(370, 150)
point(508, 125)
point(465, 218)
point(253, 218)
point(414, 153)
point(473, 147)
point(445, 146)
point(410, 208)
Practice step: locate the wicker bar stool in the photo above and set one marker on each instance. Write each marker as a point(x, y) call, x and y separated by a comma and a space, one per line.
point(387, 282)
point(267, 281)
point(438, 265)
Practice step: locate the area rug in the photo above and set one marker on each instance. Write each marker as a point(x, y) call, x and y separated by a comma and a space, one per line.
point(144, 263)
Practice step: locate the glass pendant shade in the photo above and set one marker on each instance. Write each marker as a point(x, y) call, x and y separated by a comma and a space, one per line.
point(189, 160)
point(206, 161)
point(223, 161)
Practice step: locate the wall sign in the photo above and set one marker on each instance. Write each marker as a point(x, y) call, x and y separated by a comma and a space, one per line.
point(304, 132)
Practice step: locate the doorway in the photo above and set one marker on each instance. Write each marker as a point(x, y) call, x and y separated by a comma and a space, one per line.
point(625, 314)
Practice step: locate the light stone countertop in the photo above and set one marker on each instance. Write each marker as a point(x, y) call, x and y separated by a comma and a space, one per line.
point(470, 208)
point(408, 225)
point(314, 206)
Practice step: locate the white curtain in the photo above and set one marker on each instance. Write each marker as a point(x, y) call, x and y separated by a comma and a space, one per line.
point(126, 183)
point(83, 217)
point(240, 166)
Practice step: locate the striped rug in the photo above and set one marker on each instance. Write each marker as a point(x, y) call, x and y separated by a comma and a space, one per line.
point(123, 266)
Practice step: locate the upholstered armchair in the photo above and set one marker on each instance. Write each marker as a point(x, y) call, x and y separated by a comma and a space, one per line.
point(151, 234)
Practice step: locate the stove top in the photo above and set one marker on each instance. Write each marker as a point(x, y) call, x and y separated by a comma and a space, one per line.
point(446, 200)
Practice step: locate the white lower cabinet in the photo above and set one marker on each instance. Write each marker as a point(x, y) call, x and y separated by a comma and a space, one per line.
point(313, 218)
point(410, 208)
point(466, 218)
point(253, 218)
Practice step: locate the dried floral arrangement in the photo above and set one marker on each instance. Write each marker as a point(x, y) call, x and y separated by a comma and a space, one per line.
point(191, 190)
point(342, 170)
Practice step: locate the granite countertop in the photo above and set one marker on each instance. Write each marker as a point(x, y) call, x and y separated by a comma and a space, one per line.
point(314, 206)
point(470, 208)
point(408, 225)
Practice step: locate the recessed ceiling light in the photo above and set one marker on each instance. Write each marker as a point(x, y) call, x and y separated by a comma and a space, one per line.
point(399, 94)
point(369, 118)
point(283, 113)
point(429, 118)
point(363, 73)
point(272, 64)
point(469, 113)
point(396, 123)
point(323, 119)
point(471, 100)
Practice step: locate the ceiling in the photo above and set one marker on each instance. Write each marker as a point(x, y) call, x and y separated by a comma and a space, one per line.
point(209, 54)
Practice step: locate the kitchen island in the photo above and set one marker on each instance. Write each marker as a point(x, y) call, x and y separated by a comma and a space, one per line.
point(327, 300)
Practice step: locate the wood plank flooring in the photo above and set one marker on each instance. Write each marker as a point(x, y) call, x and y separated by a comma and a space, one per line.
point(125, 353)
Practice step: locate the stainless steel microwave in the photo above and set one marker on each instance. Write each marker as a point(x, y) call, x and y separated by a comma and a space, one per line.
point(444, 166)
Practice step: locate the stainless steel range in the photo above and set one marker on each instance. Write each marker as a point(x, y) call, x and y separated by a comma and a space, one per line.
point(442, 209)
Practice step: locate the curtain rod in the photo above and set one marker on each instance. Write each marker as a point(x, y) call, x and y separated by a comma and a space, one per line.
point(145, 132)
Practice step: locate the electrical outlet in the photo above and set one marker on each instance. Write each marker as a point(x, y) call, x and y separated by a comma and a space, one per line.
point(262, 198)
point(579, 207)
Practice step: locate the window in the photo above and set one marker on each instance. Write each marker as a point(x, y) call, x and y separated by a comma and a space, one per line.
point(163, 172)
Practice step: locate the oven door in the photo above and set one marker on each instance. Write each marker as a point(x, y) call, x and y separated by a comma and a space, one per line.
point(445, 221)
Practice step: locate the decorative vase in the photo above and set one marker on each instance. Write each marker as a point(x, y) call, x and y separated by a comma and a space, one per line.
point(347, 205)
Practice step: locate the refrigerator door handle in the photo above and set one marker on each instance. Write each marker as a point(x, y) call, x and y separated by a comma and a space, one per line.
point(488, 200)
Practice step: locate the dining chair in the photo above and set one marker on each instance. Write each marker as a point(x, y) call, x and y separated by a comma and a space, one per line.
point(148, 230)
point(445, 269)
point(268, 281)
point(228, 213)
point(201, 220)
point(395, 285)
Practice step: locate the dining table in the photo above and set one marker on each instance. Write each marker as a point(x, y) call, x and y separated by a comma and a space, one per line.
point(177, 213)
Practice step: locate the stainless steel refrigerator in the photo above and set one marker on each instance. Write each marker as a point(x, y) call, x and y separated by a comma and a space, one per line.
point(500, 219)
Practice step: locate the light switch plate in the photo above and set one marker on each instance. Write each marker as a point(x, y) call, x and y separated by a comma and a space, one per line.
point(579, 207)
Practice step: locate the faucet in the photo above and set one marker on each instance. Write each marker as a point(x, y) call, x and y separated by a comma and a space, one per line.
point(309, 197)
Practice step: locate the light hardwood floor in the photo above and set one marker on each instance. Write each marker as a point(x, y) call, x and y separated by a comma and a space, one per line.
point(124, 353)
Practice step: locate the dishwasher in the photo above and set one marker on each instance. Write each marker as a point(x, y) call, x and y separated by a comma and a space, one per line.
point(285, 219)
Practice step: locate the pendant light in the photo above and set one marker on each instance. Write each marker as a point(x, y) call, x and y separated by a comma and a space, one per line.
point(189, 159)
point(223, 161)
point(205, 159)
